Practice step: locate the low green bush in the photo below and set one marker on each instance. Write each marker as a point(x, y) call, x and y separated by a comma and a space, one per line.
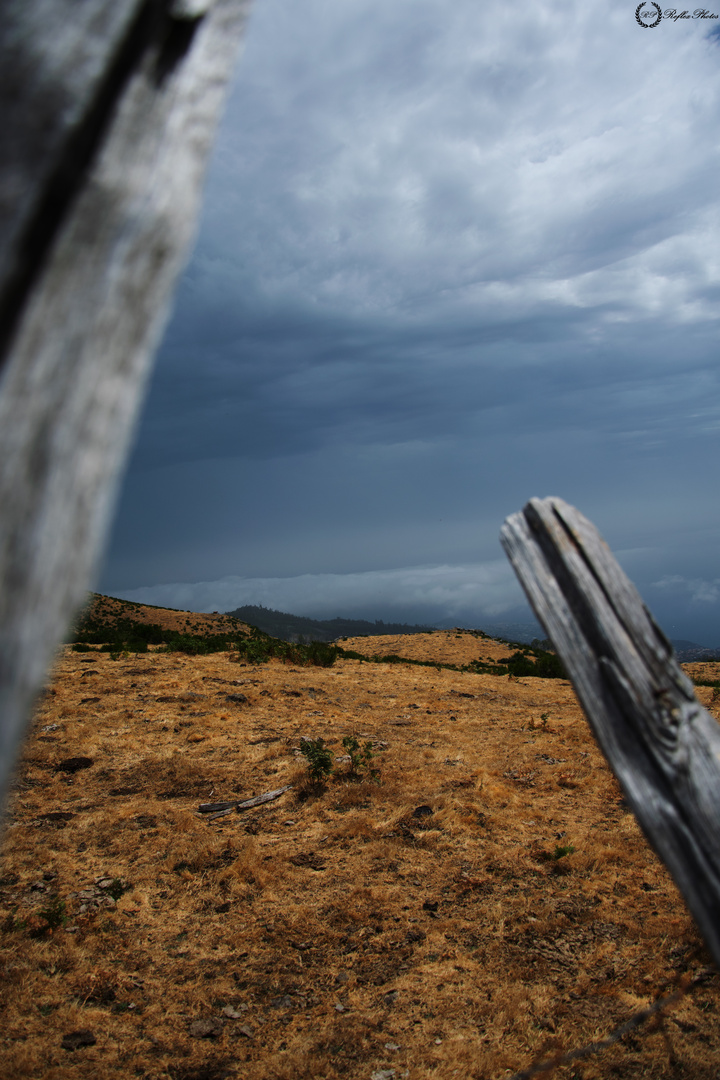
point(361, 757)
point(319, 758)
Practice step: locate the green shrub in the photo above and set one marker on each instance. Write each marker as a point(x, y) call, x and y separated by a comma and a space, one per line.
point(319, 758)
point(545, 666)
point(116, 888)
point(54, 915)
point(360, 758)
point(319, 654)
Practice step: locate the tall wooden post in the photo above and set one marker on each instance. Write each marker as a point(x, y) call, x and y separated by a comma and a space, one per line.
point(662, 745)
point(111, 109)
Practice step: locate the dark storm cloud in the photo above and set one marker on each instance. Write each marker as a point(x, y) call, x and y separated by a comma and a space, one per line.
point(451, 257)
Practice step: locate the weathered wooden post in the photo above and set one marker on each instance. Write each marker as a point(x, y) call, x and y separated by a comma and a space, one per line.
point(662, 745)
point(110, 111)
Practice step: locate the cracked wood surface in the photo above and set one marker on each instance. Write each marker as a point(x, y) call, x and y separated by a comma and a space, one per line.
point(102, 157)
point(662, 745)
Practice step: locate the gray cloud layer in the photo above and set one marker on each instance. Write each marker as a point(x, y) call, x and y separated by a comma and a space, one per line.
point(451, 257)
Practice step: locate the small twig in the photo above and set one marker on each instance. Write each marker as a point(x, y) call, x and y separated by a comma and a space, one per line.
point(550, 1064)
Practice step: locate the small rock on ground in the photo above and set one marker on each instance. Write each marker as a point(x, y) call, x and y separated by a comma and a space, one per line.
point(206, 1029)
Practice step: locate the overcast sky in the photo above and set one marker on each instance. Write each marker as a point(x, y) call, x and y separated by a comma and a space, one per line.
point(451, 256)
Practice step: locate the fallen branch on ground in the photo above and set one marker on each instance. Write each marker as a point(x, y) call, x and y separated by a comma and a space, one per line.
point(218, 809)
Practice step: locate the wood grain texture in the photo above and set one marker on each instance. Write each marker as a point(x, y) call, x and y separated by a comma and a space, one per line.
point(662, 745)
point(100, 176)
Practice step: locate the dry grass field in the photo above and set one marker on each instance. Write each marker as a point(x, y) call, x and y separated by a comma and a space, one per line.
point(488, 902)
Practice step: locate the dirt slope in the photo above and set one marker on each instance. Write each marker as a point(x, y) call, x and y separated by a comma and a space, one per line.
point(436, 924)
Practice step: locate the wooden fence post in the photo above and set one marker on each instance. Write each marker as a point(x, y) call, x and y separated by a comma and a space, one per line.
point(111, 111)
point(662, 745)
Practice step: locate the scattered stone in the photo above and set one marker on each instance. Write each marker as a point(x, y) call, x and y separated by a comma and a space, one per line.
point(103, 894)
point(383, 1074)
point(391, 1046)
point(339, 1008)
point(206, 1029)
point(391, 997)
point(74, 1040)
point(234, 1014)
point(423, 811)
point(310, 859)
point(246, 1030)
point(342, 977)
point(283, 1002)
point(238, 699)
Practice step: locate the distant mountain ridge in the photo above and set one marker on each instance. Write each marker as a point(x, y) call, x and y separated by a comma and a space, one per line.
point(688, 652)
point(287, 627)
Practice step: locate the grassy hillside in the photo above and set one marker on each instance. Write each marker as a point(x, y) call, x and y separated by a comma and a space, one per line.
point(121, 627)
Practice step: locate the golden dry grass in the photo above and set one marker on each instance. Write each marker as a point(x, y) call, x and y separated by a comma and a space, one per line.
point(441, 646)
point(107, 609)
point(332, 933)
